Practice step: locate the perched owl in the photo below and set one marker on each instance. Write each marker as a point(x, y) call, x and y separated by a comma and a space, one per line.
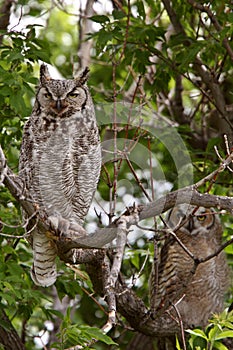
point(60, 160)
point(197, 293)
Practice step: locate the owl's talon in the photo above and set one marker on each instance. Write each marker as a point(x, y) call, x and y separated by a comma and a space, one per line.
point(65, 228)
point(58, 223)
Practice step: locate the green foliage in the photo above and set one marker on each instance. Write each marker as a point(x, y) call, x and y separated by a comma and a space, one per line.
point(74, 334)
point(18, 53)
point(219, 328)
point(134, 47)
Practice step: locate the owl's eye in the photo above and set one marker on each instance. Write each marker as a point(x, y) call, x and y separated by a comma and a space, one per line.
point(201, 217)
point(73, 94)
point(48, 95)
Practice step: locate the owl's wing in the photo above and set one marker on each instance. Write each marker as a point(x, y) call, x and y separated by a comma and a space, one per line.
point(43, 271)
point(81, 170)
point(174, 275)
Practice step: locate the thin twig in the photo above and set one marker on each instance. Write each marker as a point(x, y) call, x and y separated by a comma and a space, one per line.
point(181, 324)
point(218, 251)
point(126, 32)
point(225, 163)
point(114, 189)
point(90, 295)
point(137, 179)
point(136, 276)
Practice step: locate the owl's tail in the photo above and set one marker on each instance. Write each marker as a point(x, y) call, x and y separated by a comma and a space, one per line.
point(43, 272)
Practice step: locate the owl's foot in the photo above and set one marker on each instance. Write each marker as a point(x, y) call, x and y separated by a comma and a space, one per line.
point(65, 228)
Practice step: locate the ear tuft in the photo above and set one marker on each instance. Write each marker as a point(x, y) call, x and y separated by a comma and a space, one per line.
point(82, 76)
point(44, 74)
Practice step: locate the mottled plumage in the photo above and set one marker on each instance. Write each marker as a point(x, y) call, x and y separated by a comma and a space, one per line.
point(198, 293)
point(60, 160)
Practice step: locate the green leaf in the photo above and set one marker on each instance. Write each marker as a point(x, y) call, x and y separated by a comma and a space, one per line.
point(220, 346)
point(178, 344)
point(224, 334)
point(100, 19)
point(197, 333)
point(141, 9)
point(96, 333)
point(5, 325)
point(50, 313)
point(8, 298)
point(213, 332)
point(118, 14)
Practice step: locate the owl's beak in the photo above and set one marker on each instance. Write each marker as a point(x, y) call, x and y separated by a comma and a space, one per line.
point(59, 105)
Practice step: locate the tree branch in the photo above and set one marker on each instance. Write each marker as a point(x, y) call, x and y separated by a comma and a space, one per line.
point(215, 22)
point(128, 304)
point(85, 28)
point(101, 237)
point(5, 16)
point(8, 335)
point(218, 98)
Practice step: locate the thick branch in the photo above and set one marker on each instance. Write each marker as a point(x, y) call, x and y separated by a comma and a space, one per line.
point(103, 236)
point(186, 195)
point(128, 304)
point(136, 313)
point(5, 16)
point(8, 336)
point(85, 28)
point(133, 308)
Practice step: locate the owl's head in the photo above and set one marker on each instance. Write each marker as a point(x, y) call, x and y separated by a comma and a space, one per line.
point(193, 221)
point(58, 96)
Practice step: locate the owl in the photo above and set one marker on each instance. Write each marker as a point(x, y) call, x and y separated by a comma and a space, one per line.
point(60, 161)
point(196, 291)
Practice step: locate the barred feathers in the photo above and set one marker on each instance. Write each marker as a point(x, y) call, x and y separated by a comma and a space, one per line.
point(197, 293)
point(60, 160)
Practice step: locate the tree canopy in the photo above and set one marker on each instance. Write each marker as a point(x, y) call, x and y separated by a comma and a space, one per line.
point(161, 81)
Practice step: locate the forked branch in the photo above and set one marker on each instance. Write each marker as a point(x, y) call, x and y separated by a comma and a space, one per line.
point(106, 235)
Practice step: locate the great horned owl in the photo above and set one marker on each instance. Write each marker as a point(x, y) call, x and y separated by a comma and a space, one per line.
point(60, 160)
point(197, 293)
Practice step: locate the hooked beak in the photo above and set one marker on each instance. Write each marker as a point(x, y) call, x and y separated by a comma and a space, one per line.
point(59, 105)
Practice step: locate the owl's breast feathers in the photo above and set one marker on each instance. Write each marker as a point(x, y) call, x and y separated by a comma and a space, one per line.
point(64, 162)
point(60, 160)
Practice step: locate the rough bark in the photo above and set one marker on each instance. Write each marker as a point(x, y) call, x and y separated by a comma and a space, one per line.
point(5, 16)
point(9, 338)
point(128, 304)
point(85, 28)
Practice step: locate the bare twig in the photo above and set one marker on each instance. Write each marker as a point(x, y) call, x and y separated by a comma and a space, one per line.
point(137, 275)
point(217, 252)
point(126, 32)
point(137, 179)
point(225, 164)
point(181, 325)
point(122, 229)
point(109, 295)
